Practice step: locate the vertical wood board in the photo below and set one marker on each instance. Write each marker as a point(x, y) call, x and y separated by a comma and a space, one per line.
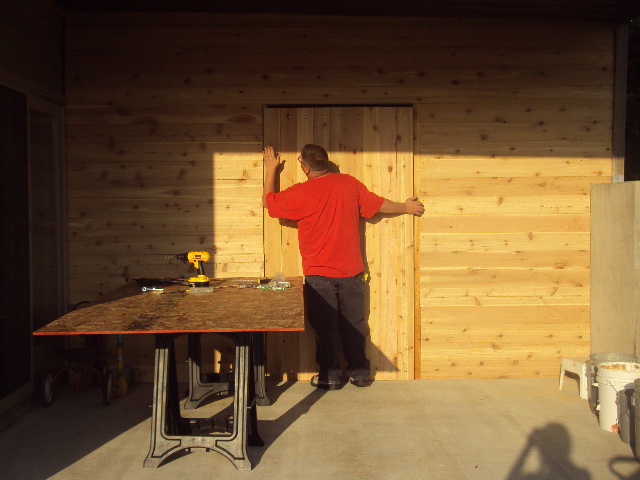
point(361, 141)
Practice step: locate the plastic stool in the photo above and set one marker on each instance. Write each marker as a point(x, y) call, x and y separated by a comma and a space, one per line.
point(579, 366)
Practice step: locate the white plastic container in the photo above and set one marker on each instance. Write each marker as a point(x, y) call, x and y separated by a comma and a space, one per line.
point(596, 359)
point(611, 378)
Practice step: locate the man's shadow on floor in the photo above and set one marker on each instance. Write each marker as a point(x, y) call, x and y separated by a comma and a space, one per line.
point(270, 430)
point(552, 446)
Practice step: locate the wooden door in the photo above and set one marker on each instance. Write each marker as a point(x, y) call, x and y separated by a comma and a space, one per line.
point(375, 145)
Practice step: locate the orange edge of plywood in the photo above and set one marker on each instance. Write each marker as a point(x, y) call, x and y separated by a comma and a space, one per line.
point(233, 330)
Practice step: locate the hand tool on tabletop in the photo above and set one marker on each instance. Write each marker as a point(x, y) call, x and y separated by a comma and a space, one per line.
point(197, 259)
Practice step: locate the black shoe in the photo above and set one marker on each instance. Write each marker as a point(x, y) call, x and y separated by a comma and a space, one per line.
point(316, 382)
point(360, 382)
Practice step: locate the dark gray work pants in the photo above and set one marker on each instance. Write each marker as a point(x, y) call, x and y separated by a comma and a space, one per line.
point(335, 309)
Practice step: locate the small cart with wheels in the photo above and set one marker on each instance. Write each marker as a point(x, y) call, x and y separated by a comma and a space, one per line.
point(81, 368)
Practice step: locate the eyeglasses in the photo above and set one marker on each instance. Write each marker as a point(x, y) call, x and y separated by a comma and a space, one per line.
point(300, 160)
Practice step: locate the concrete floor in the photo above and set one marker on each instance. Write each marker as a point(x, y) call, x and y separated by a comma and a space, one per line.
point(426, 429)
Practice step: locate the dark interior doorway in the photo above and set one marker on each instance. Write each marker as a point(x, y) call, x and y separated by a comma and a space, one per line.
point(15, 328)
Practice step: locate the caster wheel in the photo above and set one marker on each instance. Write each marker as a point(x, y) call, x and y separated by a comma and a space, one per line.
point(107, 387)
point(46, 390)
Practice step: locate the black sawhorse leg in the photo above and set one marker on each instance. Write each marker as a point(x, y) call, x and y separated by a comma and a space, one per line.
point(259, 362)
point(199, 391)
point(170, 433)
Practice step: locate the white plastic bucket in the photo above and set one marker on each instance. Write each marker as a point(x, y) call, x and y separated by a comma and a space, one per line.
point(611, 378)
point(596, 359)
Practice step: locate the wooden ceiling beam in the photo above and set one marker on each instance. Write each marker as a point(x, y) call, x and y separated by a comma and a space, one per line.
point(595, 10)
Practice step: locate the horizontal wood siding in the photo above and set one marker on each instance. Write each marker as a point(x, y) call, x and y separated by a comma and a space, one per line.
point(504, 246)
point(512, 125)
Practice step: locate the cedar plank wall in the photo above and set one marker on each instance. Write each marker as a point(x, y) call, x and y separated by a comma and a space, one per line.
point(512, 125)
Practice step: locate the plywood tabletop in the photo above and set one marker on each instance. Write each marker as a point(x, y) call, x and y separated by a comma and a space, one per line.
point(229, 308)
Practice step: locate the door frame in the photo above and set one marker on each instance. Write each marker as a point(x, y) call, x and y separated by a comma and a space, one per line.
point(407, 366)
point(17, 401)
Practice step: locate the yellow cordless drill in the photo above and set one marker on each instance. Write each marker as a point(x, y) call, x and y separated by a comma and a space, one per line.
point(197, 258)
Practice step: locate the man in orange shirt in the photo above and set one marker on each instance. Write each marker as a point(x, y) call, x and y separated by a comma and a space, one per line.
point(327, 208)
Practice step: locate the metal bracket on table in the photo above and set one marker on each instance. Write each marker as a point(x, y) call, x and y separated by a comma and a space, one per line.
point(171, 433)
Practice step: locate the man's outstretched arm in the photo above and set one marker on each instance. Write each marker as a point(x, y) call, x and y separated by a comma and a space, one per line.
point(271, 163)
point(411, 206)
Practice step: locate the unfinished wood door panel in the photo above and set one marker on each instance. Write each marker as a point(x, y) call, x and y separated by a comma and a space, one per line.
point(375, 145)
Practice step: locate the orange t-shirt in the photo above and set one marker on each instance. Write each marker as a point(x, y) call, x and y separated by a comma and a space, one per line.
point(327, 210)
